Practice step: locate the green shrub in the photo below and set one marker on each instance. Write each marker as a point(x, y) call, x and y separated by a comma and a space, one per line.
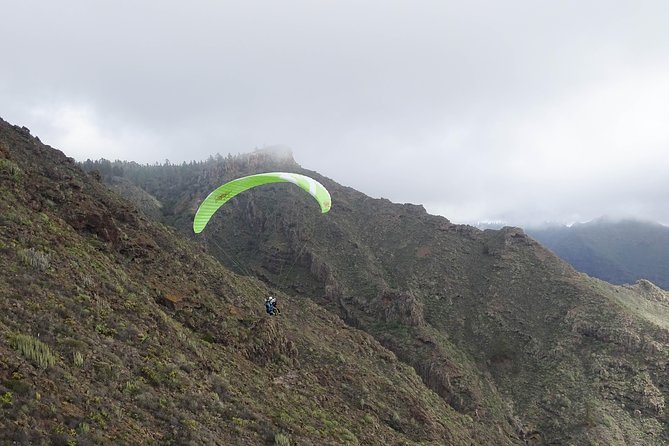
point(34, 349)
point(281, 439)
point(87, 281)
point(36, 259)
point(105, 330)
point(17, 384)
point(78, 359)
point(100, 418)
point(190, 424)
point(395, 421)
point(6, 399)
point(134, 387)
point(10, 169)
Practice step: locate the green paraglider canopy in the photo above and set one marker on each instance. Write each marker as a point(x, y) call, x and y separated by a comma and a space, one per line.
point(225, 192)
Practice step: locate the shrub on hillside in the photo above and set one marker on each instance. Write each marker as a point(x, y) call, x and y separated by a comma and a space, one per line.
point(36, 259)
point(34, 349)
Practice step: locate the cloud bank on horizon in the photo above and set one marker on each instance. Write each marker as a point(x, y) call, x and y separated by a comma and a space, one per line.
point(517, 111)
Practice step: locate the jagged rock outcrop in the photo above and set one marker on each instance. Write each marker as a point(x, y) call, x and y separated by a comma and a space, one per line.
point(398, 307)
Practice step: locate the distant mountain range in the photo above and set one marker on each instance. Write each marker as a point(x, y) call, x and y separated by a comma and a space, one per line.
point(622, 251)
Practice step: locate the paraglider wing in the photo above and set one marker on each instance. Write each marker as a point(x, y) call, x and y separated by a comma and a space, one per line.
point(225, 192)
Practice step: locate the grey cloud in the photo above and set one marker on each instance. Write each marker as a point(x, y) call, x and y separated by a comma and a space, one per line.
point(481, 110)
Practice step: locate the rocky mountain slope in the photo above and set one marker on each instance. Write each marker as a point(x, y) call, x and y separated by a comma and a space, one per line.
point(398, 327)
point(115, 329)
point(505, 332)
point(616, 251)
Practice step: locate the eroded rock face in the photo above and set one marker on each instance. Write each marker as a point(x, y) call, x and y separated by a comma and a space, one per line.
point(398, 306)
point(97, 221)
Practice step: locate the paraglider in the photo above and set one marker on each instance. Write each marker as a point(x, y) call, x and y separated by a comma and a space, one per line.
point(270, 306)
point(224, 193)
point(228, 190)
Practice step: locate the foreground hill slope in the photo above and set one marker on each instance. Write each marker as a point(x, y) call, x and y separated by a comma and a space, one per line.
point(115, 330)
point(500, 328)
point(616, 251)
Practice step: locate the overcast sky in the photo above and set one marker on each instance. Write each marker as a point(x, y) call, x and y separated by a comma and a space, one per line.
point(517, 111)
